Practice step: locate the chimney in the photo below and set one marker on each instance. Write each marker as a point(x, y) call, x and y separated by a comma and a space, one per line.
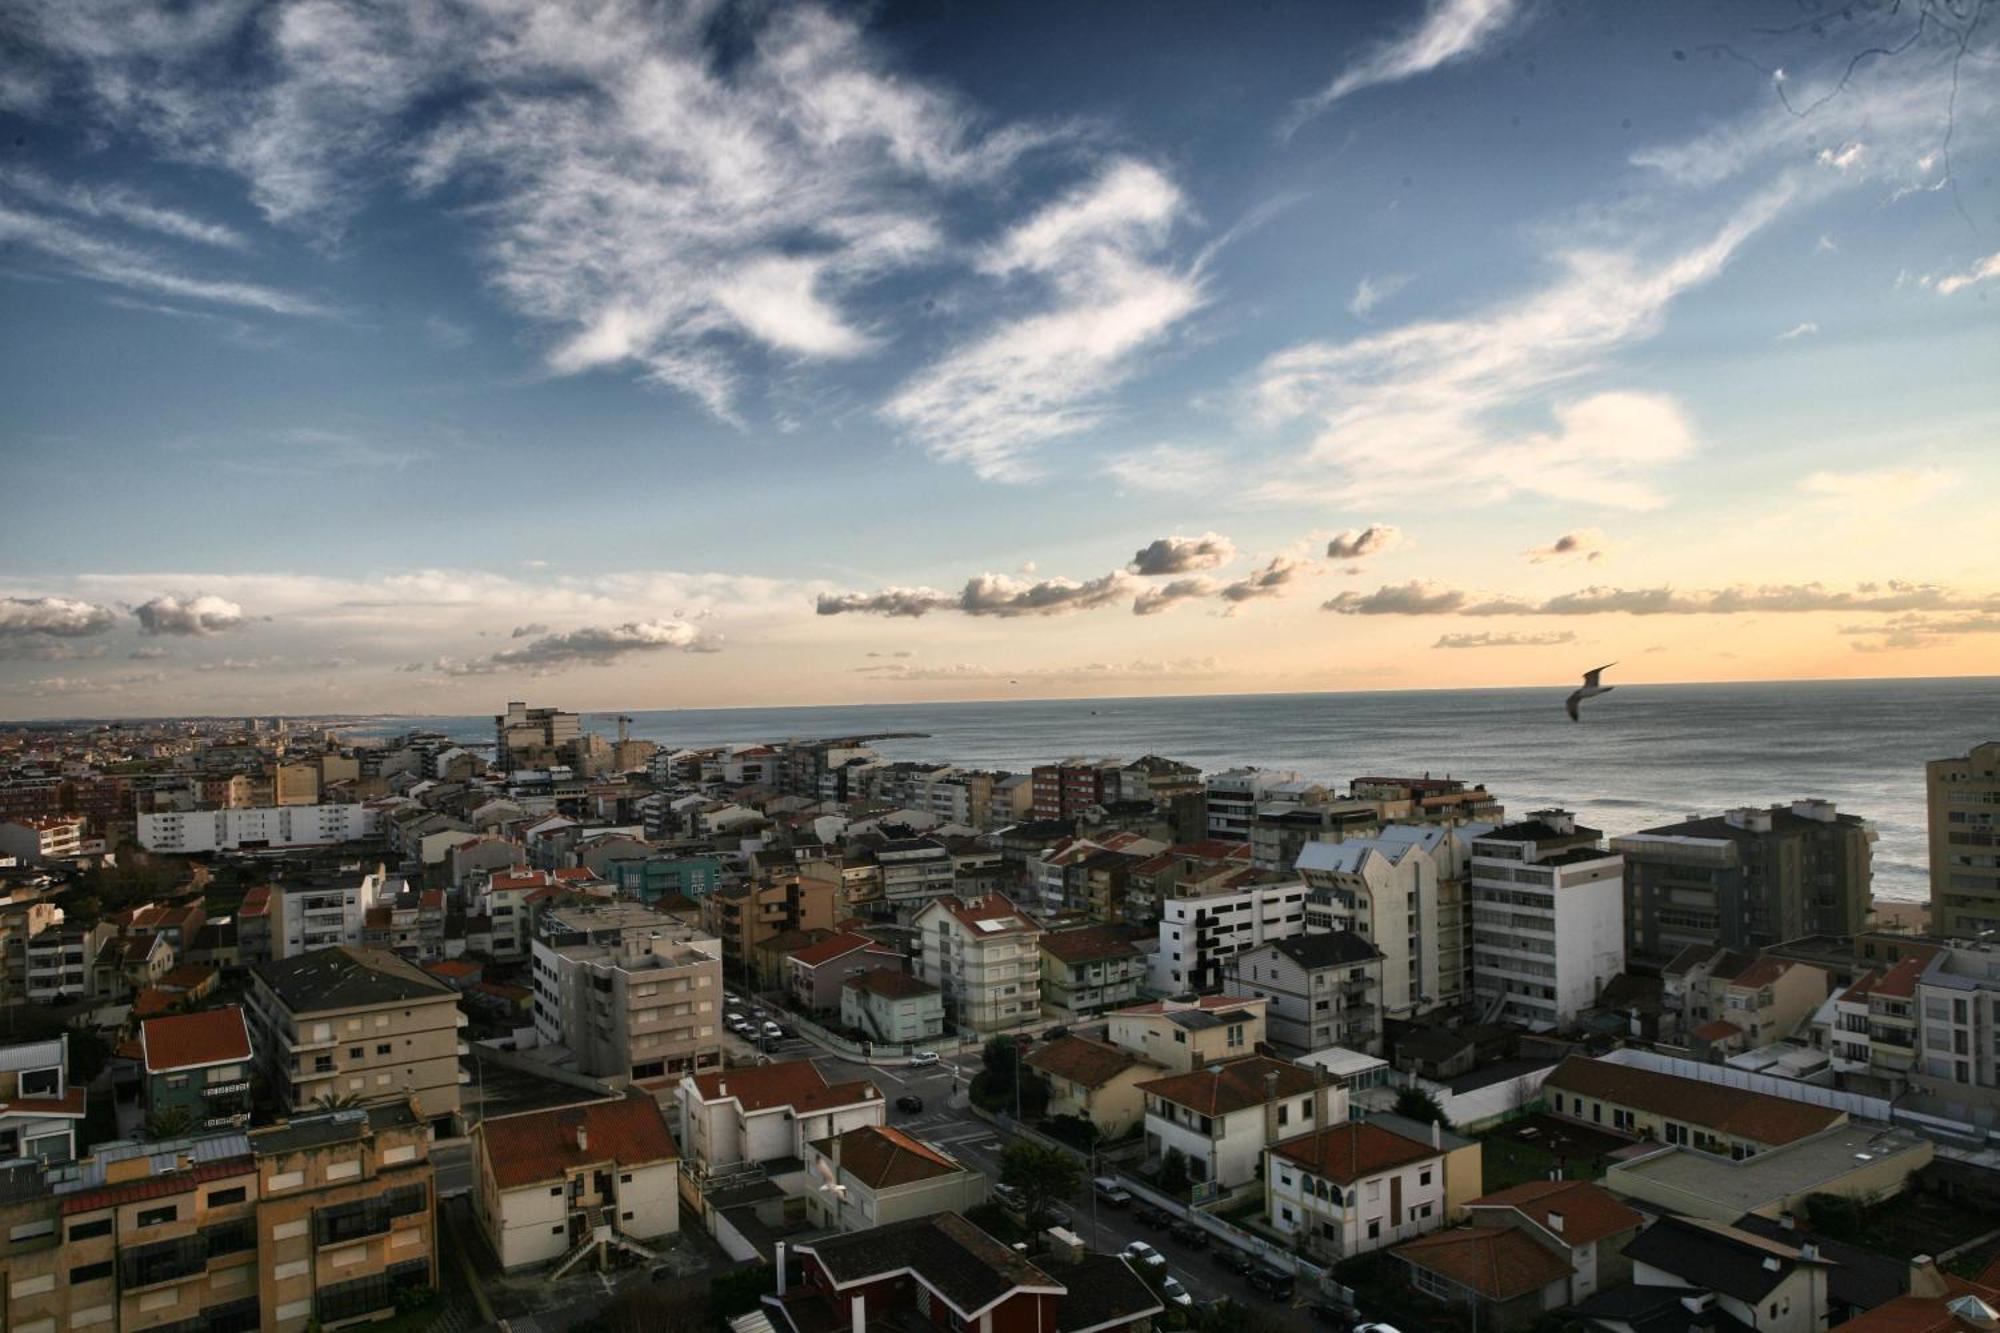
point(1788, 1220)
point(582, 1137)
point(1556, 1222)
point(779, 1263)
point(1437, 1136)
point(721, 1088)
point(859, 1307)
point(1925, 1280)
point(1809, 1252)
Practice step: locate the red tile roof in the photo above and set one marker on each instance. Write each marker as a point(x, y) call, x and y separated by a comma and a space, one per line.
point(831, 948)
point(1738, 1112)
point(881, 1157)
point(449, 968)
point(1200, 1002)
point(1499, 1263)
point(257, 902)
point(1235, 1085)
point(890, 984)
point(191, 976)
point(1588, 1212)
point(1718, 1029)
point(1091, 1064)
point(1089, 944)
point(794, 1083)
point(1761, 973)
point(1930, 1314)
point(70, 1105)
point(994, 907)
point(543, 1146)
point(1354, 1151)
point(152, 1000)
point(156, 1187)
point(1900, 981)
point(189, 1041)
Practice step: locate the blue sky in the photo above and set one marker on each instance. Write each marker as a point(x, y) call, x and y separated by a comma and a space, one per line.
point(392, 357)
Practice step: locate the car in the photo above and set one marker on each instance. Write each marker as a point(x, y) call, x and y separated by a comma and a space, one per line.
point(1055, 1033)
point(909, 1101)
point(1373, 1328)
point(1152, 1215)
point(922, 1059)
point(1188, 1233)
point(772, 1030)
point(1007, 1195)
point(1273, 1284)
point(1171, 1288)
point(1110, 1191)
point(1233, 1260)
point(1139, 1252)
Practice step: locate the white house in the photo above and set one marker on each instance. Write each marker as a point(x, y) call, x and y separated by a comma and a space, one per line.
point(1356, 1187)
point(1324, 989)
point(1198, 935)
point(1548, 920)
point(875, 1174)
point(551, 1182)
point(1222, 1117)
point(732, 1118)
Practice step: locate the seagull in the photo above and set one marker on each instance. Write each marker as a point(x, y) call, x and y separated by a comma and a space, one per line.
point(1590, 689)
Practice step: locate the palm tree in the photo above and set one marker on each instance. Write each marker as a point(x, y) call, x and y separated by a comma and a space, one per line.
point(335, 1101)
point(169, 1122)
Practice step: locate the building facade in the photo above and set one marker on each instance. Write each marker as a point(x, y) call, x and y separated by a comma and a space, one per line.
point(1198, 935)
point(984, 955)
point(1548, 920)
point(1322, 990)
point(1964, 803)
point(549, 1185)
point(630, 993)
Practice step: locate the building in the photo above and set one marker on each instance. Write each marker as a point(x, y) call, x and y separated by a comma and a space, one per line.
point(357, 1024)
point(913, 872)
point(1730, 1002)
point(40, 1109)
point(1185, 1034)
point(1958, 1012)
point(258, 828)
point(1769, 1285)
point(1220, 1119)
point(525, 737)
point(817, 972)
point(877, 1175)
point(1964, 803)
point(1346, 1189)
point(1094, 1081)
point(1680, 1112)
point(38, 838)
point(941, 1271)
point(628, 992)
point(1198, 934)
point(1231, 799)
point(1548, 920)
point(892, 1006)
point(1065, 790)
point(1871, 1026)
point(555, 1184)
point(1746, 878)
point(198, 1066)
point(1932, 1302)
point(323, 914)
point(743, 916)
point(1405, 891)
point(1323, 990)
point(1583, 1224)
point(984, 954)
point(1858, 1160)
point(1088, 970)
point(735, 1118)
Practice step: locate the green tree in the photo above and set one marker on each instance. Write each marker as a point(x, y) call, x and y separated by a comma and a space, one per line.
point(1044, 1176)
point(335, 1101)
point(1000, 1063)
point(1417, 1104)
point(1174, 1173)
point(169, 1122)
point(88, 1053)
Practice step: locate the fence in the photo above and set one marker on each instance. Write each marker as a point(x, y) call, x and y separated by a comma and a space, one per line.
point(1867, 1108)
point(1270, 1252)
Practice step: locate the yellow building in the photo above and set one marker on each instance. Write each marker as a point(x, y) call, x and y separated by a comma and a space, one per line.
point(1097, 1082)
point(1964, 799)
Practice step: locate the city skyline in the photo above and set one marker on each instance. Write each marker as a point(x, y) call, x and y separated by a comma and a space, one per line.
point(382, 361)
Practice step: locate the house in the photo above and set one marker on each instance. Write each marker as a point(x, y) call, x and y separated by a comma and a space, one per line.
point(1500, 1272)
point(1935, 1303)
point(876, 1175)
point(941, 1271)
point(1768, 1285)
point(1094, 1081)
point(770, 959)
point(732, 1118)
point(1861, 1279)
point(1732, 1002)
point(816, 972)
point(1648, 1104)
point(39, 1108)
point(549, 1183)
point(1088, 970)
point(198, 1063)
point(1582, 1226)
point(985, 955)
point(1222, 1117)
point(1351, 1188)
point(1324, 990)
point(1186, 1034)
point(892, 1006)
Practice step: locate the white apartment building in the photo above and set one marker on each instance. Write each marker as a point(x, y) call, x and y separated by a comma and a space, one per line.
point(734, 1119)
point(1958, 1021)
point(1404, 891)
point(47, 838)
point(318, 916)
point(1356, 1187)
point(1197, 935)
point(258, 827)
point(547, 1183)
point(1221, 1118)
point(1548, 919)
point(985, 955)
point(914, 871)
point(629, 992)
point(1233, 796)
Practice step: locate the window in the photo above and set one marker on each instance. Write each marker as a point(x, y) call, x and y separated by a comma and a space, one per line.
point(383, 1048)
point(90, 1273)
point(1424, 1177)
point(1375, 1230)
point(159, 1217)
point(220, 1198)
point(87, 1230)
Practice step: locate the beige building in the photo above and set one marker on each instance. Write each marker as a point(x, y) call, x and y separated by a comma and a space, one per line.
point(1680, 1112)
point(1095, 1081)
point(295, 784)
point(1088, 970)
point(561, 1183)
point(1186, 1034)
point(629, 992)
point(1964, 795)
point(356, 1024)
point(985, 955)
point(880, 1175)
point(1731, 1002)
point(1361, 1186)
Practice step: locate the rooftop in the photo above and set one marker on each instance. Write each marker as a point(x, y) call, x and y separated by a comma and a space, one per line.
point(890, 984)
point(1234, 1085)
point(1339, 948)
point(344, 978)
point(1089, 944)
point(1737, 1112)
point(1577, 1211)
point(193, 1041)
point(1091, 1064)
point(542, 1146)
point(881, 1157)
point(1499, 1263)
point(1351, 1152)
point(951, 1256)
point(1696, 1181)
point(797, 1084)
point(1712, 1256)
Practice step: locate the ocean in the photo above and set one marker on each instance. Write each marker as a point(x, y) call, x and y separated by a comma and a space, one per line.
point(1643, 755)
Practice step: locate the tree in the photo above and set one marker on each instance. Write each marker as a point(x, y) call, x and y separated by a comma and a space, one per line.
point(1044, 1176)
point(999, 1061)
point(1414, 1103)
point(335, 1101)
point(170, 1122)
point(1174, 1173)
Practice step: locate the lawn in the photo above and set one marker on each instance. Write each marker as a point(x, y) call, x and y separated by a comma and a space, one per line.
point(1532, 1147)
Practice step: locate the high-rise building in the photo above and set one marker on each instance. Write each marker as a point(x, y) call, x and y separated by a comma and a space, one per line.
point(630, 992)
point(525, 737)
point(1746, 879)
point(1548, 919)
point(1965, 842)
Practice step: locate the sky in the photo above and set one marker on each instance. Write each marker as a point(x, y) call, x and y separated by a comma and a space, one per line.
point(406, 358)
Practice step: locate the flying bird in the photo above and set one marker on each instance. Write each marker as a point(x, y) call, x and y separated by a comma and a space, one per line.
point(1590, 690)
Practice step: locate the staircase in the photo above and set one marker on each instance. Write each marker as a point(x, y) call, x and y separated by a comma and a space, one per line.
point(603, 1234)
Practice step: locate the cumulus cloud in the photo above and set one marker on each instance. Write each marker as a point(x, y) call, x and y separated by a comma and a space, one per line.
point(910, 602)
point(600, 646)
point(1486, 639)
point(1270, 580)
point(1155, 600)
point(529, 630)
point(1984, 270)
point(1183, 555)
point(1450, 31)
point(193, 616)
point(1916, 630)
point(1415, 598)
point(984, 595)
point(61, 617)
point(1577, 544)
point(1360, 543)
point(1429, 599)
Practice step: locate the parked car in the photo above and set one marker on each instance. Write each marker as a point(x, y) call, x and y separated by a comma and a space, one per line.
point(909, 1101)
point(1111, 1192)
point(1007, 1196)
point(1233, 1260)
point(1187, 1232)
point(1273, 1284)
point(1152, 1215)
point(1373, 1328)
point(921, 1059)
point(1139, 1252)
point(1171, 1288)
point(772, 1030)
point(1056, 1032)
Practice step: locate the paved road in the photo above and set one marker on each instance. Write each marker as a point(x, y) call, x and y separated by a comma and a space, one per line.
point(454, 1168)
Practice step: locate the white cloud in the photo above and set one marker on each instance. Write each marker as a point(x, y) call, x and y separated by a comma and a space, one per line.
point(1182, 555)
point(1450, 31)
point(1371, 292)
point(1842, 158)
point(1167, 595)
point(1038, 378)
point(202, 614)
point(1982, 271)
point(1487, 639)
point(1360, 543)
point(1804, 329)
point(61, 617)
point(1268, 580)
point(599, 646)
point(1586, 544)
point(1171, 469)
point(1887, 488)
point(117, 203)
point(1430, 599)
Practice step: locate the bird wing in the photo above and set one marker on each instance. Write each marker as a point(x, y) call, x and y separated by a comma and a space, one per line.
point(1590, 676)
point(1570, 705)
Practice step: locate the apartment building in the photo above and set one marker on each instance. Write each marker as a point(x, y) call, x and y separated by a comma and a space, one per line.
point(1726, 1002)
point(1427, 800)
point(525, 737)
point(1964, 804)
point(1323, 990)
point(816, 973)
point(356, 1023)
point(743, 916)
point(1186, 1034)
point(1281, 829)
point(1159, 780)
point(558, 1183)
point(735, 1118)
point(40, 1109)
point(258, 828)
point(984, 955)
point(1871, 1026)
point(1958, 1013)
point(1548, 920)
point(1346, 1189)
point(1220, 1118)
point(1088, 970)
point(880, 1175)
point(890, 1005)
point(914, 871)
point(1405, 890)
point(198, 1065)
point(1199, 934)
point(325, 913)
point(629, 992)
point(1232, 796)
point(38, 838)
point(1746, 879)
point(1065, 790)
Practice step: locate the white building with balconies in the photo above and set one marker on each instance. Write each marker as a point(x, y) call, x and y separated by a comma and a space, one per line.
point(985, 955)
point(1548, 920)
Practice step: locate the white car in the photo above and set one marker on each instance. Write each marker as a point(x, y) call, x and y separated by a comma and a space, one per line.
point(1139, 1252)
point(772, 1030)
point(923, 1058)
point(1373, 1328)
point(1171, 1288)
